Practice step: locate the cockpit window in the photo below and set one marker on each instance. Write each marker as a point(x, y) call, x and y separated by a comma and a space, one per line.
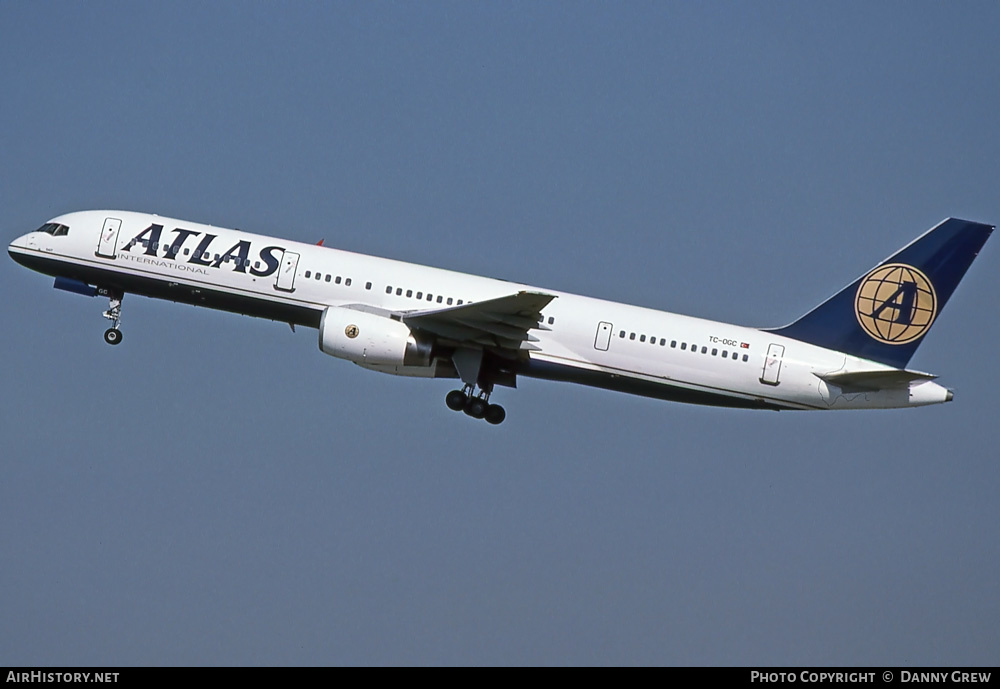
point(54, 229)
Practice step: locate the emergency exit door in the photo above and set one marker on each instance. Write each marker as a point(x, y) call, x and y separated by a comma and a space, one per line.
point(772, 365)
point(603, 338)
point(285, 280)
point(109, 238)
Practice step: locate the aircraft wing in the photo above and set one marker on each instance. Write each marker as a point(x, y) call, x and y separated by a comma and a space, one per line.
point(501, 323)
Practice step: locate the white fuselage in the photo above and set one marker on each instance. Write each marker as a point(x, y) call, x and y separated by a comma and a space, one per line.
point(586, 340)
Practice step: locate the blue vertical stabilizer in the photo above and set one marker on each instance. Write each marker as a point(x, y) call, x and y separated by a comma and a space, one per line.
point(885, 313)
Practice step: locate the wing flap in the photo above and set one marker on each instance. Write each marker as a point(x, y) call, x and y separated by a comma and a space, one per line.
point(514, 321)
point(494, 328)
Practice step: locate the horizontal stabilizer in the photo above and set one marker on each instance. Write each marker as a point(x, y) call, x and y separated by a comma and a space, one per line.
point(874, 380)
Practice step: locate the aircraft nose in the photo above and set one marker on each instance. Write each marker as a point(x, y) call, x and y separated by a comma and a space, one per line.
point(17, 247)
point(18, 243)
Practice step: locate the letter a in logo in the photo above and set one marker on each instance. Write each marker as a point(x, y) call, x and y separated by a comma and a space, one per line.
point(895, 303)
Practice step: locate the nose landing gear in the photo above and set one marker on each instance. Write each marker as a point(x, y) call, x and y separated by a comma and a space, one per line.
point(113, 335)
point(475, 405)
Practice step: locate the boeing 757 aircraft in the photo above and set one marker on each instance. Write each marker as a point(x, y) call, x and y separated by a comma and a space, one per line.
point(850, 352)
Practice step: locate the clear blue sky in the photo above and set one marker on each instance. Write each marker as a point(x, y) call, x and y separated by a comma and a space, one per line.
point(218, 491)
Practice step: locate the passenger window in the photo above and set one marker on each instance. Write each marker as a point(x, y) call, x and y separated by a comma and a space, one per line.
point(388, 290)
point(328, 278)
point(724, 354)
point(552, 320)
point(399, 291)
point(338, 280)
point(642, 338)
point(439, 298)
point(368, 285)
point(409, 293)
point(673, 344)
point(715, 352)
point(308, 273)
point(704, 350)
point(746, 358)
point(684, 345)
point(420, 295)
point(347, 282)
point(449, 301)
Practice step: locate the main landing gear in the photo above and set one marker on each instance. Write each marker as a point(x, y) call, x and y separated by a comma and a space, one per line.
point(113, 335)
point(476, 406)
point(469, 363)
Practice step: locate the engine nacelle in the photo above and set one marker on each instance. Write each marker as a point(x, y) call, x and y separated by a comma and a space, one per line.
point(370, 340)
point(75, 286)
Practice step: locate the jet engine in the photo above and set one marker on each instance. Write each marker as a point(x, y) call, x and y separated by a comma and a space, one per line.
point(376, 342)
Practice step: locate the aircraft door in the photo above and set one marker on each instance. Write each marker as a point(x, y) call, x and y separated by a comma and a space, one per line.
point(772, 364)
point(603, 338)
point(109, 238)
point(286, 273)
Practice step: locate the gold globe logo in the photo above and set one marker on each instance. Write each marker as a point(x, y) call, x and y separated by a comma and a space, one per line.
point(351, 331)
point(895, 303)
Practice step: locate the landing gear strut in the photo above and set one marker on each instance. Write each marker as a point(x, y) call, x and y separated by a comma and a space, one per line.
point(475, 405)
point(113, 335)
point(469, 363)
